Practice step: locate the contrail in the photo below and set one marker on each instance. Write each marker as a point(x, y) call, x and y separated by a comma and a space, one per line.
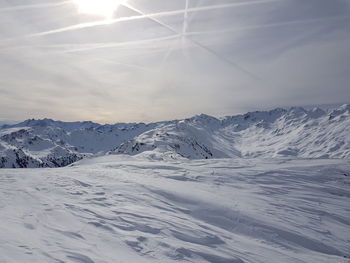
point(170, 50)
point(42, 5)
point(143, 16)
point(199, 45)
point(184, 29)
point(120, 44)
point(154, 19)
point(167, 55)
point(288, 23)
point(212, 7)
point(185, 24)
point(235, 65)
point(72, 28)
point(67, 48)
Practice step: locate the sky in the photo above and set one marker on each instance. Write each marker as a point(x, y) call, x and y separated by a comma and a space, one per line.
point(152, 60)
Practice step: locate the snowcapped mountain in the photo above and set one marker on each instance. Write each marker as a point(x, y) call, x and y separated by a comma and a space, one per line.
point(45, 144)
point(50, 122)
point(280, 132)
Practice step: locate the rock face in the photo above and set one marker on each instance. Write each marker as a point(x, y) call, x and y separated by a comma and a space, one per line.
point(280, 132)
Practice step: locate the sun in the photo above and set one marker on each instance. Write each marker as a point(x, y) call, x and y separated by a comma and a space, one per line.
point(105, 8)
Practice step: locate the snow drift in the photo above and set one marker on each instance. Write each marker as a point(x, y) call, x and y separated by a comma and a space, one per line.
point(121, 208)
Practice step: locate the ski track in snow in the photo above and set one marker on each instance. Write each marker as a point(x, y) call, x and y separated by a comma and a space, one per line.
point(130, 209)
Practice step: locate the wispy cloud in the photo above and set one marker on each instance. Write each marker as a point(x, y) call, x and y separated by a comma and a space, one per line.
point(33, 6)
point(270, 25)
point(185, 24)
point(198, 44)
point(83, 48)
point(150, 16)
point(165, 59)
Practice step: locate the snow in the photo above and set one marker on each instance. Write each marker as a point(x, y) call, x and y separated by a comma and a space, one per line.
point(265, 186)
point(295, 132)
point(49, 122)
point(121, 208)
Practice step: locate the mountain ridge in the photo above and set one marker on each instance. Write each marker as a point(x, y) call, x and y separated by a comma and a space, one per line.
point(295, 132)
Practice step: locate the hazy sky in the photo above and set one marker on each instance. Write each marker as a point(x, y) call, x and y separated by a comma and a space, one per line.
point(166, 59)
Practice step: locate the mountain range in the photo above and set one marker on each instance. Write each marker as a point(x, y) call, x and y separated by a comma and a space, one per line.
point(295, 132)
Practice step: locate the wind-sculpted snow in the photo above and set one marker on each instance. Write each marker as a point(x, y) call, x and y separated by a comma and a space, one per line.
point(132, 209)
point(294, 132)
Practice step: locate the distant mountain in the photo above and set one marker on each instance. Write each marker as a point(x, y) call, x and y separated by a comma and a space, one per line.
point(68, 126)
point(280, 132)
point(6, 123)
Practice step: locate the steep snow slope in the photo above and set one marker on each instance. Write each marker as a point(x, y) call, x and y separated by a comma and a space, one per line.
point(187, 138)
point(293, 132)
point(309, 134)
point(131, 209)
point(279, 132)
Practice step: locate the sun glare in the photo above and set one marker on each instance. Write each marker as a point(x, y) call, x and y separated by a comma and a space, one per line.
point(104, 8)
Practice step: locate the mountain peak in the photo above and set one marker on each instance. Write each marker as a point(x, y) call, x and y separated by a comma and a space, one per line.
point(204, 119)
point(297, 110)
point(316, 112)
point(345, 108)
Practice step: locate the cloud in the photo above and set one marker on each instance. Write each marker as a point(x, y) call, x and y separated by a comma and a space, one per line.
point(233, 58)
point(32, 6)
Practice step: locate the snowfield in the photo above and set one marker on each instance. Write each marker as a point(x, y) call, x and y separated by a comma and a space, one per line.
point(121, 208)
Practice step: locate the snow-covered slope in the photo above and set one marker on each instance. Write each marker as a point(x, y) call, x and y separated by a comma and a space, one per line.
point(54, 146)
point(279, 132)
point(130, 209)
